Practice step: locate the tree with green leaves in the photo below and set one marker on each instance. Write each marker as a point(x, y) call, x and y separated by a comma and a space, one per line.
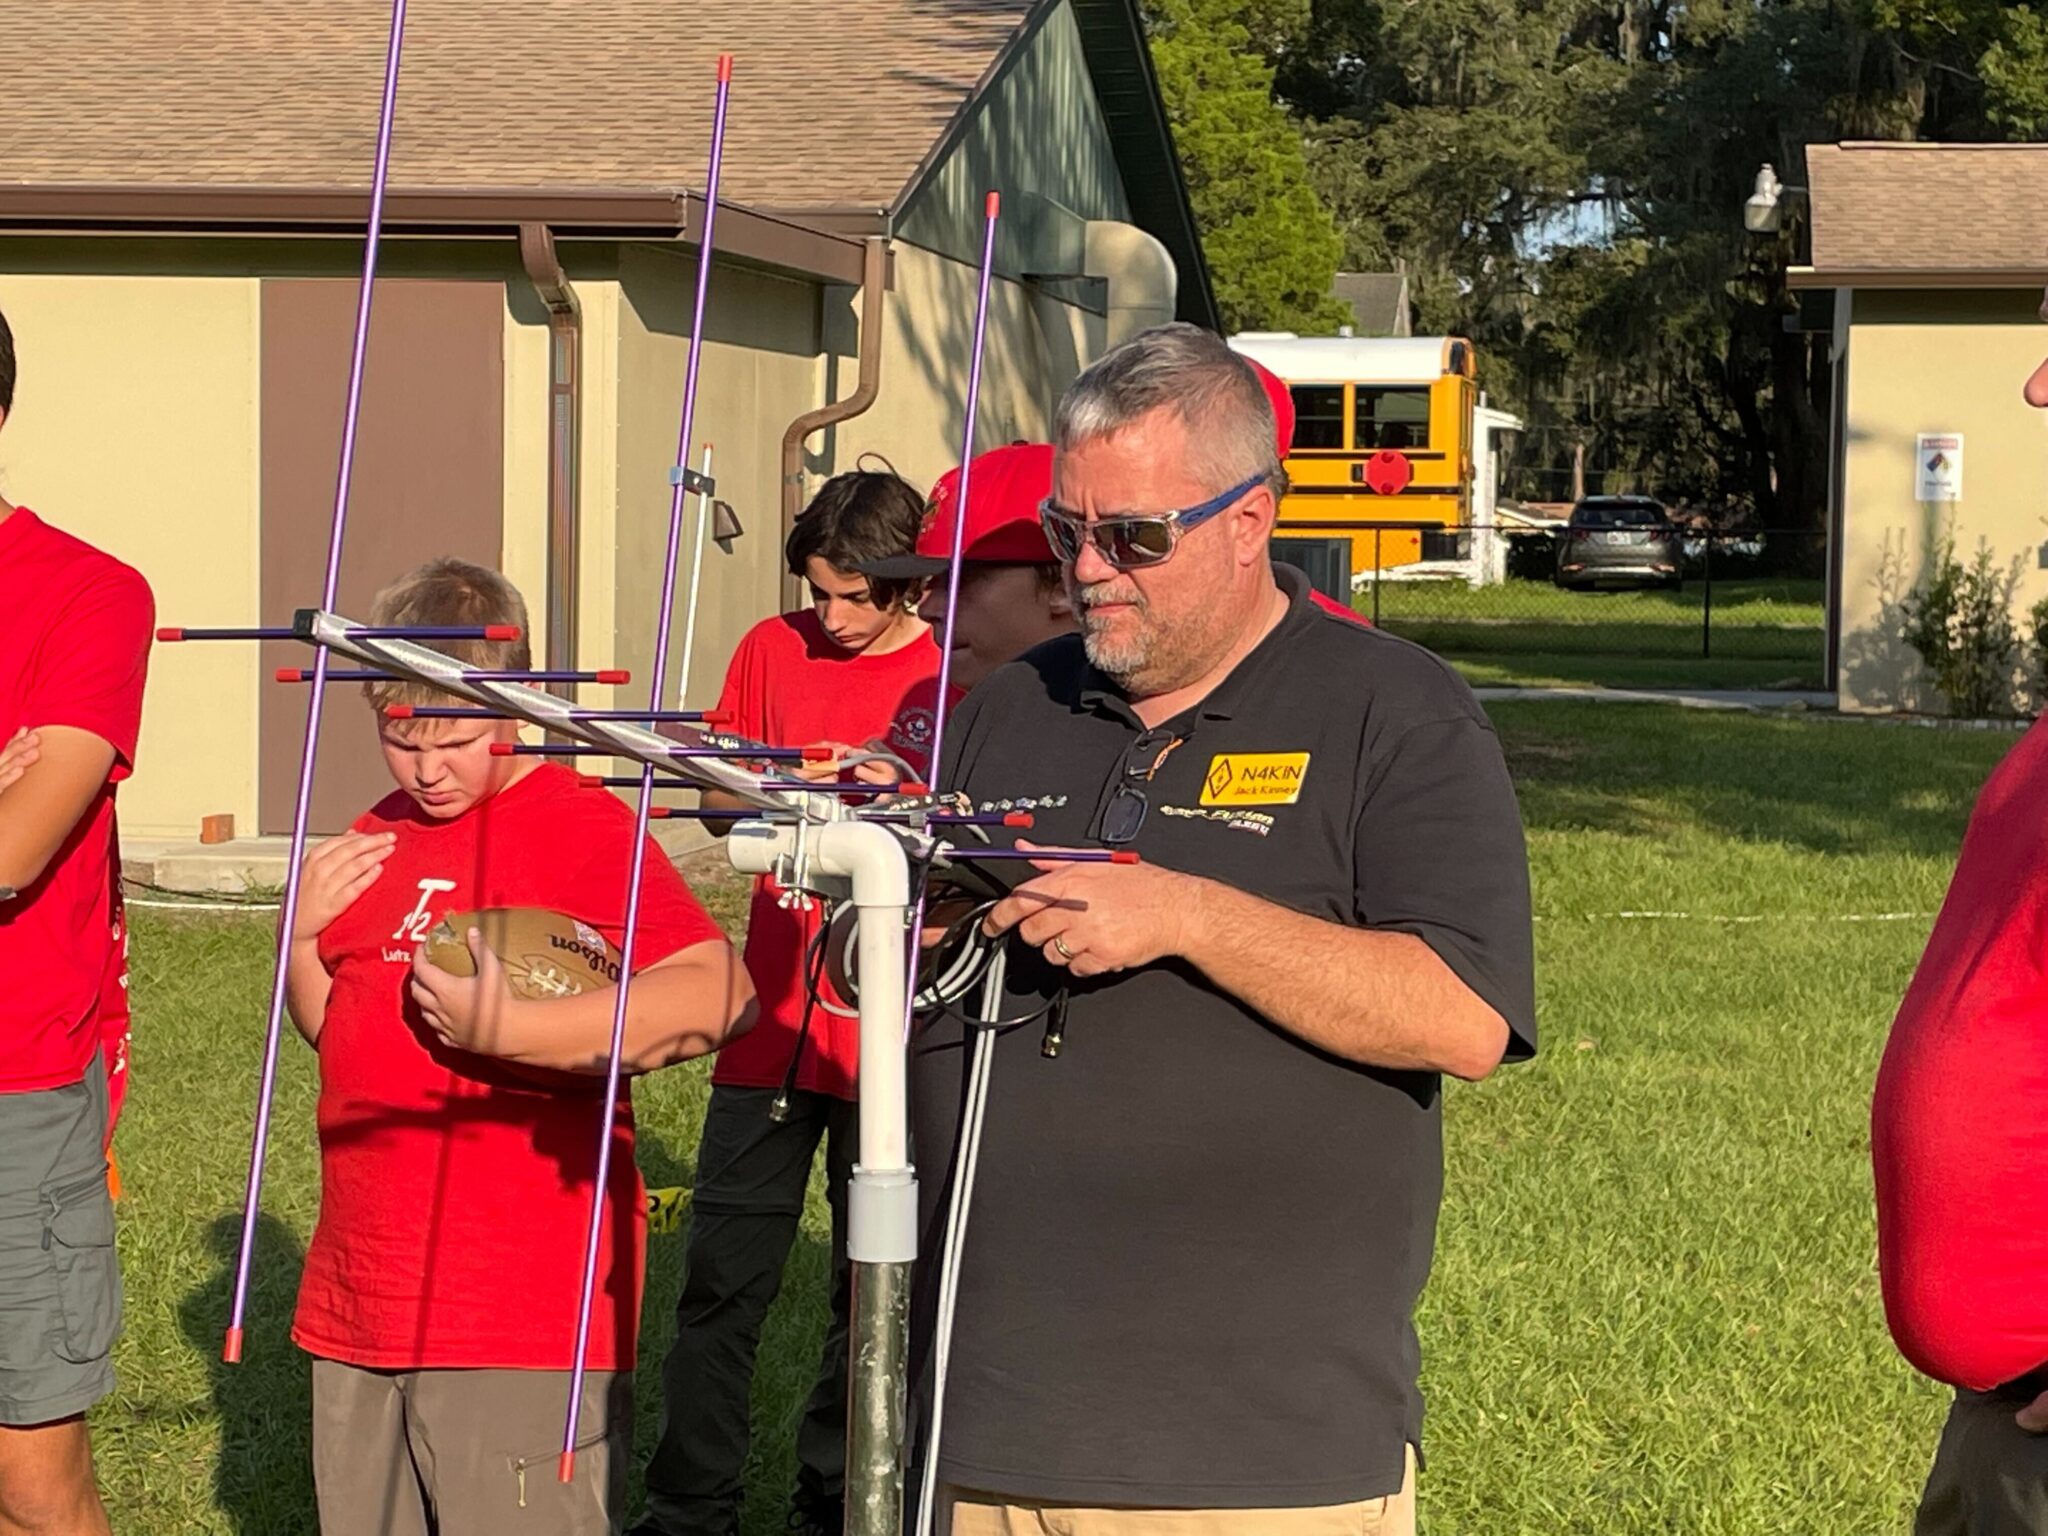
point(1272, 244)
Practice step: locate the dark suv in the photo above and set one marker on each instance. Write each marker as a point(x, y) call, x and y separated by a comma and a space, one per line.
point(1619, 541)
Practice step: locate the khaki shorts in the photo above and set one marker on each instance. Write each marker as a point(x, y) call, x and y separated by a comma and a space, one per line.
point(467, 1453)
point(966, 1512)
point(60, 1282)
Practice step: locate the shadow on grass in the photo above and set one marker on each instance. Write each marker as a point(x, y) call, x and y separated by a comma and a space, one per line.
point(1834, 787)
point(263, 1474)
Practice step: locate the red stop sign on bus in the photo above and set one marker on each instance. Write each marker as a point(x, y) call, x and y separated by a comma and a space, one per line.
point(1388, 472)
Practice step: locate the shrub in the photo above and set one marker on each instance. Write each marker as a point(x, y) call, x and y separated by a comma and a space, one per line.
point(1959, 620)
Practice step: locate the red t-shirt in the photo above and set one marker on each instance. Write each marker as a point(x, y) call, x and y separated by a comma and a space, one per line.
point(455, 1193)
point(75, 628)
point(1331, 605)
point(910, 733)
point(1959, 1123)
point(790, 686)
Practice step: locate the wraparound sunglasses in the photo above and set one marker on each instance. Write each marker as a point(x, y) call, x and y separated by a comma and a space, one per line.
point(1133, 542)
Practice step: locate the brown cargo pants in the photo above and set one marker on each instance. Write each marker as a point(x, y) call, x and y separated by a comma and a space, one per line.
point(466, 1453)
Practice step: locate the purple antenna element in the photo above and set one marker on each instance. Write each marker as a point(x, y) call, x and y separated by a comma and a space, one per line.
point(765, 754)
point(232, 1350)
point(1050, 855)
point(992, 210)
point(472, 712)
point(663, 621)
point(315, 674)
point(988, 262)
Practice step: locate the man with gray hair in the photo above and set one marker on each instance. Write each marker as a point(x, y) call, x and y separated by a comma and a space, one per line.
point(1200, 1226)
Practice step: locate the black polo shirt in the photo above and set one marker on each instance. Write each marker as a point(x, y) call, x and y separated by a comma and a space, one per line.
point(1196, 1242)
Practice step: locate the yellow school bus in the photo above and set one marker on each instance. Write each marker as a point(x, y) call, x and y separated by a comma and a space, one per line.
point(1383, 433)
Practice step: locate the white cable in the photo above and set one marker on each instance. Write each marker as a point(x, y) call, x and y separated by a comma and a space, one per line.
point(967, 1155)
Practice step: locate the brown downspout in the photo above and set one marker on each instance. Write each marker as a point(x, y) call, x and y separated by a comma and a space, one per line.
point(565, 367)
point(873, 283)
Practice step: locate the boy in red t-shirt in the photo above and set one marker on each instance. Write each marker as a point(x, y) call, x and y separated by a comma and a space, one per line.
point(830, 674)
point(457, 1123)
point(75, 630)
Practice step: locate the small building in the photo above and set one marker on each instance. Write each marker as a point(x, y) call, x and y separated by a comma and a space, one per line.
point(182, 202)
point(1936, 256)
point(1378, 302)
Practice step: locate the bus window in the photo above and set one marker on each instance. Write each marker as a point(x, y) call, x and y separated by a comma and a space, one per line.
point(1393, 418)
point(1318, 415)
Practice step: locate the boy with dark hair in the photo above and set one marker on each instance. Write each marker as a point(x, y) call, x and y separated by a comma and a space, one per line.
point(830, 674)
point(75, 629)
point(457, 1154)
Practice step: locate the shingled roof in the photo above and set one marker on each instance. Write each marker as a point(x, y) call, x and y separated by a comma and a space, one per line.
point(835, 102)
point(1923, 214)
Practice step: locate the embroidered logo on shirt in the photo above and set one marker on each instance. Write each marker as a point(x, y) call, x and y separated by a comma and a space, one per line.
point(1254, 778)
point(1236, 821)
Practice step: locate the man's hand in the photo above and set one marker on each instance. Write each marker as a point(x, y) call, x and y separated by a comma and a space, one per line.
point(471, 1013)
point(20, 752)
point(2034, 1417)
point(334, 875)
point(1097, 918)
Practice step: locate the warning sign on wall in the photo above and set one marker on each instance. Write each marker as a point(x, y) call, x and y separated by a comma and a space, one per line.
point(1938, 467)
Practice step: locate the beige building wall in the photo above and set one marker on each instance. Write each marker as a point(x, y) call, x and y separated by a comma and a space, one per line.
point(135, 427)
point(1035, 346)
point(1935, 362)
point(760, 369)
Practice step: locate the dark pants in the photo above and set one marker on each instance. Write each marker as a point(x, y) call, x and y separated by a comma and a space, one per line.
point(744, 1213)
point(1990, 1477)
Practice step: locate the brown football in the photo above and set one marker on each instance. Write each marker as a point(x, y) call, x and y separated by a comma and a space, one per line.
point(545, 954)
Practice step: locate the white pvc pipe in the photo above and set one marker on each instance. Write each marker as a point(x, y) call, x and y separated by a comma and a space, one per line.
point(873, 860)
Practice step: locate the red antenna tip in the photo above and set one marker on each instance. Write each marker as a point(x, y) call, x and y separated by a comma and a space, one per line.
point(590, 780)
point(1018, 819)
point(503, 748)
point(817, 754)
point(614, 676)
point(1124, 856)
point(718, 717)
point(398, 712)
point(566, 1472)
point(660, 812)
point(291, 675)
point(501, 631)
point(168, 635)
point(913, 789)
point(231, 1352)
point(724, 74)
point(995, 202)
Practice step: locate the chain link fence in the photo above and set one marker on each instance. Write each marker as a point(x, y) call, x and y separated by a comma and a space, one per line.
point(1699, 607)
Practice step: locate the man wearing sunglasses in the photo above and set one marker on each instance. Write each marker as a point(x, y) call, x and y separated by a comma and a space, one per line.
point(1199, 1230)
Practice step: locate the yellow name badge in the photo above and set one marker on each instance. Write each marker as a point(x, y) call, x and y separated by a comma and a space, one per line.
point(1254, 778)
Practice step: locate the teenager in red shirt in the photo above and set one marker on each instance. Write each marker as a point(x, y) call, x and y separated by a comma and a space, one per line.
point(457, 1124)
point(829, 674)
point(75, 629)
point(1959, 1147)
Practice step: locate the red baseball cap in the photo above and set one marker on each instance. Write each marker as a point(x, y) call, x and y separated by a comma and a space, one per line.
point(1002, 527)
point(1282, 399)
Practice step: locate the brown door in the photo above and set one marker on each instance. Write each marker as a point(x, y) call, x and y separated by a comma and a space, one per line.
point(428, 481)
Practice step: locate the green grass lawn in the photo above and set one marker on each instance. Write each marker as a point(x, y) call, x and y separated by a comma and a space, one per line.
point(1765, 632)
point(1654, 1307)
